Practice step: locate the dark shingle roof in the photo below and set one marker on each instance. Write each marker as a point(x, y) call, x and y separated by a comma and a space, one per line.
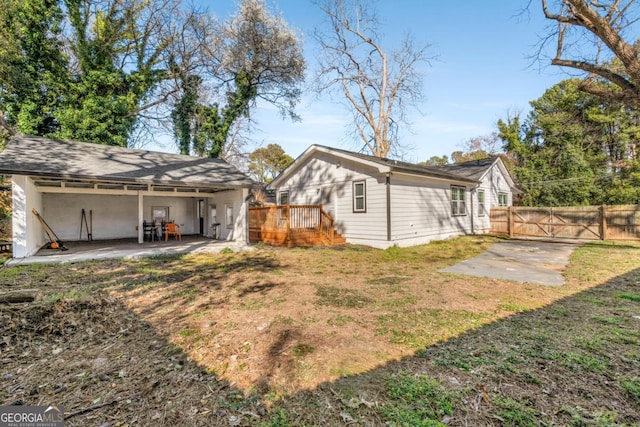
point(400, 166)
point(473, 169)
point(43, 157)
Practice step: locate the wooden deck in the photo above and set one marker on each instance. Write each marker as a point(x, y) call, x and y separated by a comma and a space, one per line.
point(6, 246)
point(293, 225)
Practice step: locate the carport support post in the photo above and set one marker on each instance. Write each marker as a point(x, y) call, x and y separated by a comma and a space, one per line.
point(140, 217)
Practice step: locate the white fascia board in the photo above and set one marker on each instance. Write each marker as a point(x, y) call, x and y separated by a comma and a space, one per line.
point(316, 148)
point(114, 192)
point(508, 177)
point(381, 168)
point(498, 161)
point(484, 175)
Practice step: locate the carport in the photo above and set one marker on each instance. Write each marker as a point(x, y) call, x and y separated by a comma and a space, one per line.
point(119, 188)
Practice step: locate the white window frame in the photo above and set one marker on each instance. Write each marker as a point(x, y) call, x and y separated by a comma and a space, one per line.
point(283, 193)
point(482, 207)
point(503, 199)
point(458, 200)
point(357, 198)
point(164, 217)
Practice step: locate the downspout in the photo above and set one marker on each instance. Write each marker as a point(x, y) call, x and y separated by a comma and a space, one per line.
point(471, 193)
point(388, 185)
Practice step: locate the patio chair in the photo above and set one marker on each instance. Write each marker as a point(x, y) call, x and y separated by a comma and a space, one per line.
point(172, 229)
point(149, 230)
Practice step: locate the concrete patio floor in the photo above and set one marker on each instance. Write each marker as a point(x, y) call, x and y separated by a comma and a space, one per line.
point(527, 261)
point(127, 248)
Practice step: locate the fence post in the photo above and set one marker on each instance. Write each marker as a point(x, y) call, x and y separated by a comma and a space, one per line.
point(603, 222)
point(287, 212)
point(511, 221)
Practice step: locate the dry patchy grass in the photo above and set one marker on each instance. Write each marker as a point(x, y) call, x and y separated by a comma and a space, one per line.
point(346, 335)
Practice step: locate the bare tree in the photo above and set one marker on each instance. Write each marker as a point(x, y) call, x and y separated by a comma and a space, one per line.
point(253, 57)
point(599, 38)
point(477, 148)
point(378, 85)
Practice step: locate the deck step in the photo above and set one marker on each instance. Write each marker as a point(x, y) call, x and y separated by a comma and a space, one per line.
point(292, 225)
point(338, 240)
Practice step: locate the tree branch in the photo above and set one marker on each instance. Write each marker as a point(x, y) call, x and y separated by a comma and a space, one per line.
point(5, 125)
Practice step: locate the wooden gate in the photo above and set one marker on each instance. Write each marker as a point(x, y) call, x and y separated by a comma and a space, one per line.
point(584, 222)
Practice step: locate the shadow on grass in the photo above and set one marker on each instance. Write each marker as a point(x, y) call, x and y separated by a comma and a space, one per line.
point(78, 347)
point(102, 363)
point(573, 362)
point(576, 361)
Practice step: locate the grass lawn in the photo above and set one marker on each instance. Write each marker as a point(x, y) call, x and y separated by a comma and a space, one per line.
point(346, 336)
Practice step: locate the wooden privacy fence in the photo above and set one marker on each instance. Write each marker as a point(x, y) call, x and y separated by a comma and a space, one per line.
point(291, 225)
point(583, 222)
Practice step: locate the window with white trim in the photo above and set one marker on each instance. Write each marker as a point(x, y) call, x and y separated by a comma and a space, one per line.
point(359, 196)
point(160, 214)
point(458, 201)
point(283, 198)
point(481, 205)
point(503, 199)
point(228, 215)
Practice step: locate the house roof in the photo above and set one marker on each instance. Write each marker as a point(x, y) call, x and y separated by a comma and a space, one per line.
point(52, 158)
point(473, 169)
point(467, 172)
point(400, 166)
point(383, 164)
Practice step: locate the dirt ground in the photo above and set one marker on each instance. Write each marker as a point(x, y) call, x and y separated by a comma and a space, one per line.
point(223, 339)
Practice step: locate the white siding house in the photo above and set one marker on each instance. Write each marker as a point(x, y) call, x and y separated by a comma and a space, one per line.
point(119, 188)
point(381, 202)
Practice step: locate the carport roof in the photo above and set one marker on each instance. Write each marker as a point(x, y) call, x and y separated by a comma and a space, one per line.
point(52, 158)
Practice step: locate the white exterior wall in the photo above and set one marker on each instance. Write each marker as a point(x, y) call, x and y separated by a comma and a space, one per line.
point(421, 211)
point(236, 199)
point(182, 210)
point(493, 183)
point(482, 223)
point(328, 180)
point(28, 235)
point(420, 206)
point(114, 217)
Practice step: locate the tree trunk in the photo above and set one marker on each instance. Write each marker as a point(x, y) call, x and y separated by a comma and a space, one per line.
point(18, 296)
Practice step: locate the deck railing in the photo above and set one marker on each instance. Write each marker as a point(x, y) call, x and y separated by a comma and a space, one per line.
point(288, 224)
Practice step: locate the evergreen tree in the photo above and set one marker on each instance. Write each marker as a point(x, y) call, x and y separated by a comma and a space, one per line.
point(572, 149)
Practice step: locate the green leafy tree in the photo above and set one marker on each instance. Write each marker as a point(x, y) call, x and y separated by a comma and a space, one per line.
point(435, 161)
point(110, 72)
point(118, 48)
point(33, 69)
point(266, 163)
point(100, 71)
point(572, 149)
point(255, 56)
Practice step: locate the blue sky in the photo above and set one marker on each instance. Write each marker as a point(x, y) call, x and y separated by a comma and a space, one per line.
point(483, 72)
